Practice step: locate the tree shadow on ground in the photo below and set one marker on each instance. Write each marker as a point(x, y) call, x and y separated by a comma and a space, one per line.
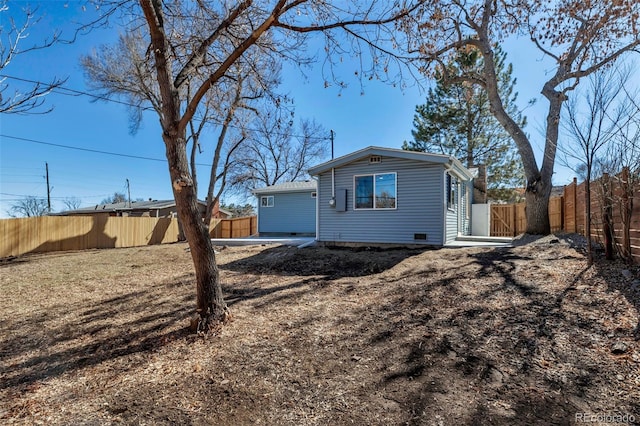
point(253, 288)
point(332, 263)
point(49, 343)
point(503, 336)
point(77, 336)
point(624, 278)
point(501, 347)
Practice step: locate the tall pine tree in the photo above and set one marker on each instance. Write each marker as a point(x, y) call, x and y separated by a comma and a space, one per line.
point(456, 120)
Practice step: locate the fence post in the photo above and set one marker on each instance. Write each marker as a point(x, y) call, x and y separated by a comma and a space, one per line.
point(515, 220)
point(607, 217)
point(575, 205)
point(626, 211)
point(562, 223)
point(574, 199)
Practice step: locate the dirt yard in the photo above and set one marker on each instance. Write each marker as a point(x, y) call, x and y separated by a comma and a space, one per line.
point(505, 336)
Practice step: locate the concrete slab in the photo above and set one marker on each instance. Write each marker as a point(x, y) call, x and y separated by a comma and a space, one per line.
point(477, 241)
point(302, 241)
point(478, 244)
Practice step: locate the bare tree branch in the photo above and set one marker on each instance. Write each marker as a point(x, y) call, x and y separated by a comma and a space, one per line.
point(12, 38)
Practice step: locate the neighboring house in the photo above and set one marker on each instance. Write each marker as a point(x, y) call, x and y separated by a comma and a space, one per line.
point(150, 208)
point(219, 213)
point(287, 209)
point(391, 196)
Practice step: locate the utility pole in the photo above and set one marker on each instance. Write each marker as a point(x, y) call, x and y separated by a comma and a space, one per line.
point(331, 135)
point(46, 165)
point(129, 192)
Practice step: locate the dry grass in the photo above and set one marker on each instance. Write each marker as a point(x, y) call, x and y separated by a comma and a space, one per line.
point(319, 336)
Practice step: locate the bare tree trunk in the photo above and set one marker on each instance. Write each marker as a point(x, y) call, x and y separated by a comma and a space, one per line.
point(607, 217)
point(538, 180)
point(587, 217)
point(537, 209)
point(210, 304)
point(626, 211)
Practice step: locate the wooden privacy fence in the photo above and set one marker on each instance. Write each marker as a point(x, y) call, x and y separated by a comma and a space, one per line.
point(615, 202)
point(234, 228)
point(59, 233)
point(504, 220)
point(615, 212)
point(509, 220)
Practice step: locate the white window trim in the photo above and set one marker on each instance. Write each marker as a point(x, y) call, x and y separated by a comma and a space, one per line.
point(467, 202)
point(456, 202)
point(374, 191)
point(268, 198)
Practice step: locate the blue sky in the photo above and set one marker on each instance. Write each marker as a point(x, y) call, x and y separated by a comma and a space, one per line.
point(381, 116)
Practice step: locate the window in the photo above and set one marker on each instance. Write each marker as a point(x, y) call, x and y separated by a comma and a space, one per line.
point(314, 194)
point(375, 191)
point(266, 201)
point(452, 191)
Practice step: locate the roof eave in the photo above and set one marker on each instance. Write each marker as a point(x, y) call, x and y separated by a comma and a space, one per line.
point(262, 191)
point(373, 150)
point(460, 169)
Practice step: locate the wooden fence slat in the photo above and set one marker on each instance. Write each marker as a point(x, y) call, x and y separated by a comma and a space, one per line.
point(503, 225)
point(567, 213)
point(55, 233)
point(233, 228)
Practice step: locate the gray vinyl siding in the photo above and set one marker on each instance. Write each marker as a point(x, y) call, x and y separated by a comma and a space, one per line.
point(452, 225)
point(419, 205)
point(292, 213)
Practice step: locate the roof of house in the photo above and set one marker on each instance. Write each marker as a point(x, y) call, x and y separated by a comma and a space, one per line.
point(225, 211)
point(446, 160)
point(125, 206)
point(303, 186)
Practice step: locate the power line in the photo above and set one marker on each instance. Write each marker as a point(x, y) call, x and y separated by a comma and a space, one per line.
point(95, 151)
point(53, 198)
point(62, 90)
point(19, 168)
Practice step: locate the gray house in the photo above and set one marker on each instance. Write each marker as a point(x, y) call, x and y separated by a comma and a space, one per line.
point(287, 209)
point(391, 196)
point(150, 208)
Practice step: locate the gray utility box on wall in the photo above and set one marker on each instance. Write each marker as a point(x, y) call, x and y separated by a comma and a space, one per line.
point(341, 200)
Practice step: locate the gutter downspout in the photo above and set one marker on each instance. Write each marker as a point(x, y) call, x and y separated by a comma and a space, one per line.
point(317, 206)
point(332, 201)
point(333, 183)
point(447, 167)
